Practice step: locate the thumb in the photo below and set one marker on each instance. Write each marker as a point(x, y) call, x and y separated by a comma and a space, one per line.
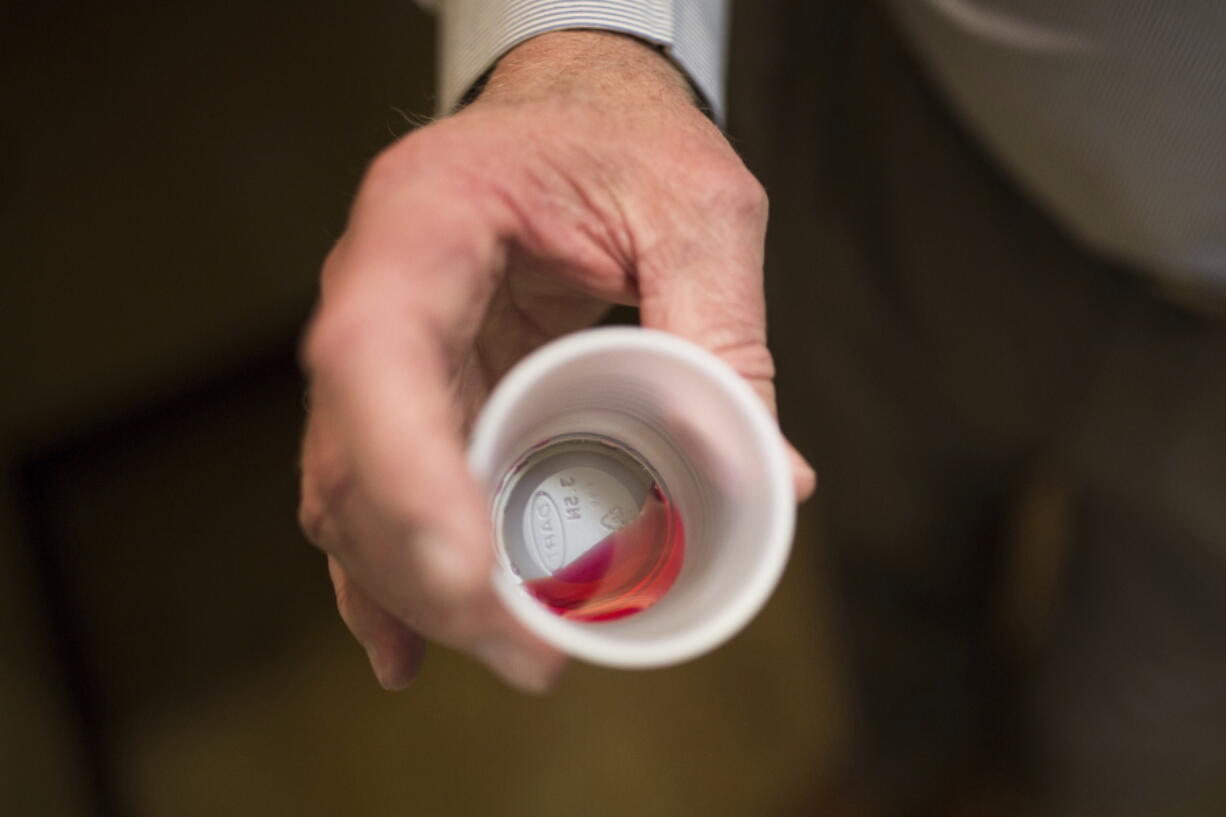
point(715, 298)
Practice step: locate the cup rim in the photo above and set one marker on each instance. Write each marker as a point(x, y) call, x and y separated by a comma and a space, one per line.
point(585, 640)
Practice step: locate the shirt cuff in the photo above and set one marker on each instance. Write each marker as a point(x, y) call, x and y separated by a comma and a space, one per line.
point(474, 34)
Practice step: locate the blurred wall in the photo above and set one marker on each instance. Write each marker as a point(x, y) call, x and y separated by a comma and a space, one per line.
point(171, 175)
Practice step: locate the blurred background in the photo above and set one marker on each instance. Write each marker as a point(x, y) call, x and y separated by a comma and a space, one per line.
point(171, 175)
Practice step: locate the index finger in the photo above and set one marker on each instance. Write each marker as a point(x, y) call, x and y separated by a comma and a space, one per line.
point(408, 520)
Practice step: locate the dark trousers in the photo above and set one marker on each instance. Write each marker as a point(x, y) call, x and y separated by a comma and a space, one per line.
point(1021, 446)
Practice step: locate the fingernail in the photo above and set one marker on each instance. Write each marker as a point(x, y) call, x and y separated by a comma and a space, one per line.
point(516, 666)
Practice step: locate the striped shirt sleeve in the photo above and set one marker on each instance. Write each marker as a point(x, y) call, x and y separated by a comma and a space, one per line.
point(474, 34)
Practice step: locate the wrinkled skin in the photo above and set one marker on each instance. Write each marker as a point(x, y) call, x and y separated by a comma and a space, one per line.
point(583, 176)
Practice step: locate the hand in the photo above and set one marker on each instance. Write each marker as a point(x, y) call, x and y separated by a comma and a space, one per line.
point(582, 176)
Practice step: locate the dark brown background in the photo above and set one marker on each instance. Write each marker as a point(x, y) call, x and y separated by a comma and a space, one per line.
point(171, 175)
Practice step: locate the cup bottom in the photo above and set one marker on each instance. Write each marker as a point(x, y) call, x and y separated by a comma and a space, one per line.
point(588, 528)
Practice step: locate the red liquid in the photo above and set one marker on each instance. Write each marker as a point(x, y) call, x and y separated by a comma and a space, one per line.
point(627, 571)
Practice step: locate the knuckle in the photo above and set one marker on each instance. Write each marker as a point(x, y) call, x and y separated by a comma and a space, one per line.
point(317, 344)
point(310, 520)
point(403, 161)
point(327, 488)
point(330, 339)
point(754, 361)
point(746, 195)
point(315, 521)
point(330, 270)
point(727, 187)
point(391, 165)
point(743, 347)
point(385, 173)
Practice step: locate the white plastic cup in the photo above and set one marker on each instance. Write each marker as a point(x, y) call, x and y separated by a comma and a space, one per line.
point(715, 448)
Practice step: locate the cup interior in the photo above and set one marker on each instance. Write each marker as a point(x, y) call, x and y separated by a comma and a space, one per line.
point(719, 458)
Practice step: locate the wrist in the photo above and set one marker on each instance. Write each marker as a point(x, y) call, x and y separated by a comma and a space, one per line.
point(586, 66)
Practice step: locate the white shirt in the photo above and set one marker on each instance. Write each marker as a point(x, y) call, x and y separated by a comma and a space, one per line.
point(1112, 113)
